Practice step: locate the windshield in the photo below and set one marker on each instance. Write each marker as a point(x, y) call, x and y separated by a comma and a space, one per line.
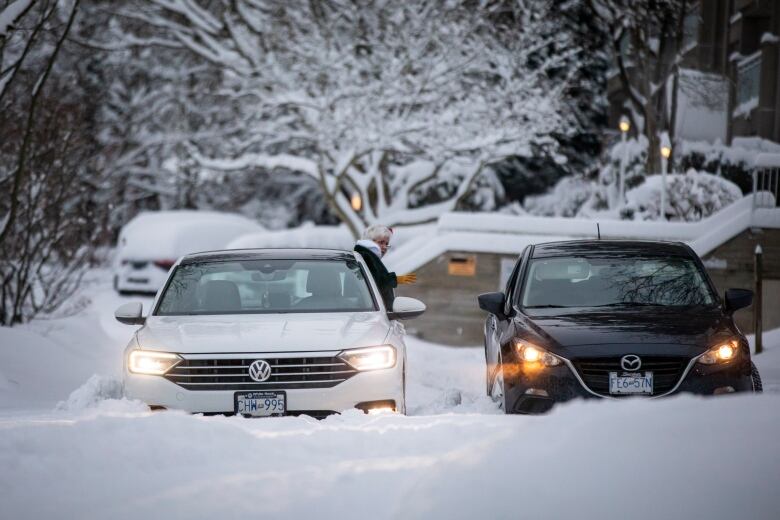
point(266, 286)
point(596, 282)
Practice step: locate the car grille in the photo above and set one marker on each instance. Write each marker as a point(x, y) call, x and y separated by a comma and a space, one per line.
point(667, 371)
point(286, 373)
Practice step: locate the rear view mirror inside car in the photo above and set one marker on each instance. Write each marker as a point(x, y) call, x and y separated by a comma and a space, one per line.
point(562, 269)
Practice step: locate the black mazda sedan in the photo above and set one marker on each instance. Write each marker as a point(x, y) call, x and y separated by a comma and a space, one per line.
point(612, 319)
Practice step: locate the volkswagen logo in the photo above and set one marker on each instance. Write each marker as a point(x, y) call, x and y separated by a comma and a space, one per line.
point(260, 370)
point(630, 362)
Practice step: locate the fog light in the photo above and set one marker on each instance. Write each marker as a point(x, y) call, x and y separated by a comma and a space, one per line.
point(724, 390)
point(377, 407)
point(537, 392)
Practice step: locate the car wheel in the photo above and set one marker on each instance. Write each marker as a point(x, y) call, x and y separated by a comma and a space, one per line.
point(402, 407)
point(758, 387)
point(497, 388)
point(488, 382)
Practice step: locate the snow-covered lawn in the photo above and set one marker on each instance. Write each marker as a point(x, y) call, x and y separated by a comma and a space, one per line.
point(96, 456)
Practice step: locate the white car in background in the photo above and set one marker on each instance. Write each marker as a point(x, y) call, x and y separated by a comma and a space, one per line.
point(151, 243)
point(263, 332)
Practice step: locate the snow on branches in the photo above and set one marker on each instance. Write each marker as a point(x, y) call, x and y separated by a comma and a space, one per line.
point(398, 110)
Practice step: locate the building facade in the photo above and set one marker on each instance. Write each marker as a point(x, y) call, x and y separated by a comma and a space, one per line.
point(730, 72)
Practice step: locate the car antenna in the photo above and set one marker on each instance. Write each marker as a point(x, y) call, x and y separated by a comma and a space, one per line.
point(598, 230)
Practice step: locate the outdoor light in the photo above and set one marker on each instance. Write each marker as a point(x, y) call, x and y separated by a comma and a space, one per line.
point(625, 124)
point(720, 354)
point(529, 353)
point(151, 363)
point(371, 358)
point(356, 201)
point(666, 152)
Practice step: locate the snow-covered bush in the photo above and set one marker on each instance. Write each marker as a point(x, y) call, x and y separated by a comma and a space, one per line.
point(689, 197)
point(565, 200)
point(734, 162)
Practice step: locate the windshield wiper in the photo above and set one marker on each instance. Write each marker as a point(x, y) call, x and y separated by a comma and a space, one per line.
point(629, 304)
point(546, 307)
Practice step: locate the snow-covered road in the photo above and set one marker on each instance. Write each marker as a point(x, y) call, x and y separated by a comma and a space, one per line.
point(96, 456)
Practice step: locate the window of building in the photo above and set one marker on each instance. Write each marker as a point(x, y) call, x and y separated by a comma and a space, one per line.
point(691, 25)
point(748, 82)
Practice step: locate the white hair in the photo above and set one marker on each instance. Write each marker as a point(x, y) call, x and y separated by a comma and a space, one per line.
point(377, 232)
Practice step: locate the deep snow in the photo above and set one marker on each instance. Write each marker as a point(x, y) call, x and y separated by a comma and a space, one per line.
point(88, 454)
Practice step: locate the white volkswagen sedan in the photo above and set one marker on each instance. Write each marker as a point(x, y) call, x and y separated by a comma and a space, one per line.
point(269, 332)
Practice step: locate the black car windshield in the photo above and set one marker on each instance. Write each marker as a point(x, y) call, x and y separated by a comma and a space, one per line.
point(615, 282)
point(266, 286)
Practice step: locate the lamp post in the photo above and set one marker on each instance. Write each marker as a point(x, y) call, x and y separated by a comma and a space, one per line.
point(625, 126)
point(666, 152)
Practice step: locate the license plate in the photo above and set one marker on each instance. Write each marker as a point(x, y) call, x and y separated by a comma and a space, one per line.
point(630, 383)
point(260, 404)
point(138, 280)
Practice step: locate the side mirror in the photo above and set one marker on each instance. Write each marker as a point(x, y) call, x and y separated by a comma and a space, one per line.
point(492, 302)
point(406, 308)
point(130, 314)
point(738, 299)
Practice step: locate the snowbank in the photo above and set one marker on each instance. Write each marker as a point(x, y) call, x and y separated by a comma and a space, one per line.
point(677, 458)
point(308, 235)
point(325, 237)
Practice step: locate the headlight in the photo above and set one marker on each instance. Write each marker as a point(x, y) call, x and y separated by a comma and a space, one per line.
point(530, 353)
point(150, 362)
point(722, 353)
point(371, 358)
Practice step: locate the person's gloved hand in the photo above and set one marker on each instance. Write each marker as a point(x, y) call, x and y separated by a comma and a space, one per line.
point(406, 279)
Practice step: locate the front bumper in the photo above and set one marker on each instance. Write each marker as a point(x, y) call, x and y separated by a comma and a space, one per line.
point(372, 385)
point(536, 391)
point(148, 279)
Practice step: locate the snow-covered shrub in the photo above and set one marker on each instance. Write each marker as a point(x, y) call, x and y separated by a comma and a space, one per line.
point(689, 197)
point(565, 200)
point(733, 162)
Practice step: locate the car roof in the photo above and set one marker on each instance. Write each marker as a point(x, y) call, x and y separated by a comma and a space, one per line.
point(612, 247)
point(267, 254)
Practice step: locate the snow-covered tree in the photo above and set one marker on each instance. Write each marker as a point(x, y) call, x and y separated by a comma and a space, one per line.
point(648, 43)
point(397, 110)
point(48, 203)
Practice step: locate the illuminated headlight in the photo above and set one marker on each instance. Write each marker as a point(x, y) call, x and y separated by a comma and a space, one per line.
point(371, 358)
point(530, 353)
point(722, 353)
point(150, 362)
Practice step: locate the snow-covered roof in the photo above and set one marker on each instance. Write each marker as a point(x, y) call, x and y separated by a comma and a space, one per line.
point(509, 235)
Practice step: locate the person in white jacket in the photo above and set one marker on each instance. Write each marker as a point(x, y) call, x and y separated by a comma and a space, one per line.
point(372, 247)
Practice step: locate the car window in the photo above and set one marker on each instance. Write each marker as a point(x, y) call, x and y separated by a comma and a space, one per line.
point(593, 282)
point(509, 290)
point(267, 286)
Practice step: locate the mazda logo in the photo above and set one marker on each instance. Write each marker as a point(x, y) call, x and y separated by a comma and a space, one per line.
point(631, 362)
point(260, 370)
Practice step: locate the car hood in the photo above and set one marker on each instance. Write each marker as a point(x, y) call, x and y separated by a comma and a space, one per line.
point(263, 332)
point(645, 326)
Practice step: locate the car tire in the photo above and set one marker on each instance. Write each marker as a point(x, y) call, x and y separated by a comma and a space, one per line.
point(758, 386)
point(402, 407)
point(488, 381)
point(497, 389)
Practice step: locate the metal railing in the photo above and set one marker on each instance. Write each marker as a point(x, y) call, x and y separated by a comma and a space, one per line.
point(766, 181)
